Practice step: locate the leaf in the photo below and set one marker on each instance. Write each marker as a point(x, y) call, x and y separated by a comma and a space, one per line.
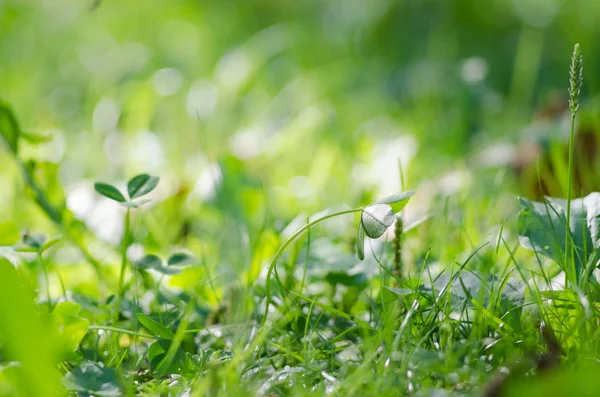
point(580, 232)
point(50, 243)
point(561, 380)
point(26, 249)
point(376, 218)
point(35, 138)
point(155, 327)
point(109, 191)
point(397, 201)
point(149, 261)
point(592, 204)
point(9, 128)
point(153, 262)
point(67, 309)
point(360, 242)
point(141, 185)
point(25, 336)
point(180, 259)
point(542, 228)
point(9, 233)
point(35, 241)
point(157, 352)
point(71, 329)
point(94, 379)
point(343, 278)
point(400, 291)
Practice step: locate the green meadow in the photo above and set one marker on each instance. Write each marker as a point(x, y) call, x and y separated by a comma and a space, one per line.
point(299, 198)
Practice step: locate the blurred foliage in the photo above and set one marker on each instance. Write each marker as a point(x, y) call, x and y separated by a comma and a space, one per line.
point(180, 79)
point(255, 113)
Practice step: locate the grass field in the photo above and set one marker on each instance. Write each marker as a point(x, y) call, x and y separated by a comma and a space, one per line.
point(298, 198)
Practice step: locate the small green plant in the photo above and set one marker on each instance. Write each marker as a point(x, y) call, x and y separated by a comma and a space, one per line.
point(137, 187)
point(94, 379)
point(575, 81)
point(549, 228)
point(39, 243)
point(10, 136)
point(374, 221)
point(175, 264)
point(543, 229)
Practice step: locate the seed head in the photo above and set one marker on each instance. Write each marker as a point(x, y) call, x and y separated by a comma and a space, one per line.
point(576, 78)
point(397, 246)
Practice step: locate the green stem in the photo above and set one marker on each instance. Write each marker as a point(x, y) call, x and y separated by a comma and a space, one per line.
point(179, 335)
point(285, 245)
point(121, 330)
point(46, 279)
point(569, 183)
point(125, 244)
point(62, 283)
point(306, 260)
point(55, 215)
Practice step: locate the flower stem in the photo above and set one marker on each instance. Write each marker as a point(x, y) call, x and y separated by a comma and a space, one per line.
point(575, 81)
point(569, 188)
point(288, 242)
point(46, 280)
point(125, 244)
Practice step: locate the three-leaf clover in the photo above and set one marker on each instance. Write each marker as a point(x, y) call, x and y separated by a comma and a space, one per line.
point(36, 242)
point(137, 187)
point(376, 218)
point(174, 265)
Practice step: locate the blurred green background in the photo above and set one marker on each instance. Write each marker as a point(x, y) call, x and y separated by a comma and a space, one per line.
point(256, 113)
point(283, 83)
point(262, 110)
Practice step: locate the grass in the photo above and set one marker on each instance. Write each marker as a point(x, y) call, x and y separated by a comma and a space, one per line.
point(435, 327)
point(477, 324)
point(223, 286)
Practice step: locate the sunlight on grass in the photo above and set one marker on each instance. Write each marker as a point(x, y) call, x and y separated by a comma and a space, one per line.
point(294, 198)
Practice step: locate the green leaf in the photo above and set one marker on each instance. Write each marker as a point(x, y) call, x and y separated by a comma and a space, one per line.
point(376, 218)
point(343, 278)
point(26, 249)
point(109, 191)
point(25, 336)
point(155, 327)
point(67, 309)
point(71, 329)
point(180, 259)
point(141, 185)
point(542, 228)
point(149, 261)
point(397, 201)
point(153, 262)
point(35, 241)
point(592, 205)
point(399, 291)
point(157, 352)
point(36, 139)
point(9, 128)
point(360, 242)
point(9, 233)
point(564, 380)
point(94, 379)
point(50, 243)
